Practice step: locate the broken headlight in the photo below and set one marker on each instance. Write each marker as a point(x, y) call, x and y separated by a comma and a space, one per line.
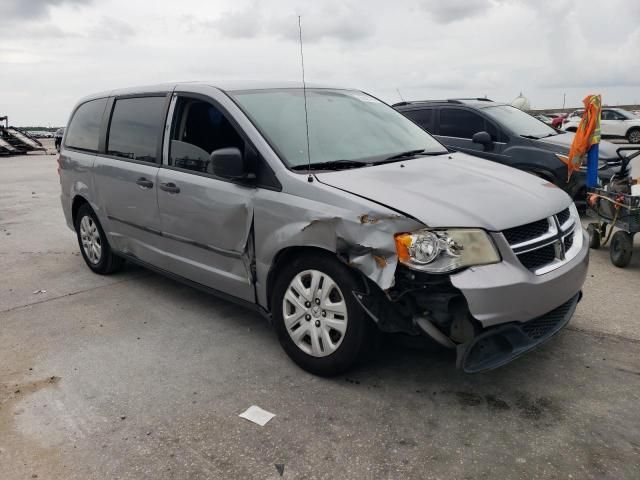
point(441, 251)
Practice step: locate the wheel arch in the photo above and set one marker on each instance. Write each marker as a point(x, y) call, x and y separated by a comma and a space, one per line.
point(77, 202)
point(632, 129)
point(287, 254)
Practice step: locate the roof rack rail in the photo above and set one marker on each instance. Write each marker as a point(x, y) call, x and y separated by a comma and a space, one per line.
point(449, 100)
point(479, 99)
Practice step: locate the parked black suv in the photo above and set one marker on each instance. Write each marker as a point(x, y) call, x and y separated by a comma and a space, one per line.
point(505, 134)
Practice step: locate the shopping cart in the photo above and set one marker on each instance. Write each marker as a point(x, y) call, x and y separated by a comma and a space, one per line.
point(615, 206)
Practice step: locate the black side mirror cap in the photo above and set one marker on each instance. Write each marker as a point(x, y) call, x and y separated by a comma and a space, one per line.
point(229, 163)
point(483, 138)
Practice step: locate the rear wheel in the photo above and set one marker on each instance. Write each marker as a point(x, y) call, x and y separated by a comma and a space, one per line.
point(318, 321)
point(594, 235)
point(634, 135)
point(621, 248)
point(93, 243)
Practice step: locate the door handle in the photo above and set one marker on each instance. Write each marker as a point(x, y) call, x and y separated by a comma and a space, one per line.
point(170, 187)
point(144, 183)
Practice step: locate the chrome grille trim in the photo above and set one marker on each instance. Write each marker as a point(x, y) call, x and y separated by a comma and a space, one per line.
point(556, 235)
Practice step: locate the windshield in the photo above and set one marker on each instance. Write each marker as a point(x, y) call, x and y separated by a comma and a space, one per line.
point(344, 125)
point(626, 114)
point(519, 122)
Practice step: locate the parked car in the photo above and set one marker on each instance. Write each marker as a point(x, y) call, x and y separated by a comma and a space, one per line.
point(504, 134)
point(614, 123)
point(558, 119)
point(544, 119)
point(362, 222)
point(57, 138)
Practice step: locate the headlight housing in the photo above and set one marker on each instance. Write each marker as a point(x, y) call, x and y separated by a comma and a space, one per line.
point(441, 251)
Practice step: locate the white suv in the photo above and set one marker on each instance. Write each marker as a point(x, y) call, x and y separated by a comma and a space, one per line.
point(615, 122)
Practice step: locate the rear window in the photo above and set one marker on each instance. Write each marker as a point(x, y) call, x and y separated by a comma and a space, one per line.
point(84, 128)
point(135, 128)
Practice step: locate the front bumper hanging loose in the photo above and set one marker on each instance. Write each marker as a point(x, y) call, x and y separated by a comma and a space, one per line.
point(502, 344)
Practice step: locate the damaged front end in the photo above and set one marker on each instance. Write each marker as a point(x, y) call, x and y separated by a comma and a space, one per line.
point(430, 305)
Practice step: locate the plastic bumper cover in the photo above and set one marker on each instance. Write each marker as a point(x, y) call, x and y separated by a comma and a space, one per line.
point(508, 292)
point(502, 344)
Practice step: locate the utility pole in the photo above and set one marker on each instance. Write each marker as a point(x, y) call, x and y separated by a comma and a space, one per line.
point(564, 99)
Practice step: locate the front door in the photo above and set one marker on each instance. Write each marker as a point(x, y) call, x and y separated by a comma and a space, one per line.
point(205, 220)
point(457, 127)
point(126, 176)
point(612, 124)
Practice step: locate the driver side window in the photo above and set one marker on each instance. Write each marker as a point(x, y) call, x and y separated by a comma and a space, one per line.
point(198, 129)
point(456, 122)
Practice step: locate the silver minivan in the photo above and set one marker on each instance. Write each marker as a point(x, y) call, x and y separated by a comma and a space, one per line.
point(327, 211)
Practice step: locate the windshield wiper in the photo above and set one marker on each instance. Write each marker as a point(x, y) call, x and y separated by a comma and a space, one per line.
point(331, 165)
point(532, 137)
point(409, 154)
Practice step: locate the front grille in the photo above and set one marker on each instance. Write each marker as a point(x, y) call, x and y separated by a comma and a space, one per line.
point(568, 242)
point(538, 258)
point(544, 242)
point(541, 326)
point(563, 216)
point(526, 232)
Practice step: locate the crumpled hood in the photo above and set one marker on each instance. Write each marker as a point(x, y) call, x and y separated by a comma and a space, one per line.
point(454, 190)
point(562, 142)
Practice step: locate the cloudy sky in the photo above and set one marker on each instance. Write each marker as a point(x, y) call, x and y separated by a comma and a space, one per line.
point(54, 51)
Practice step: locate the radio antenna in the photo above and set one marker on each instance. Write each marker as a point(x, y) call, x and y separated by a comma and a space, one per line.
point(399, 94)
point(304, 93)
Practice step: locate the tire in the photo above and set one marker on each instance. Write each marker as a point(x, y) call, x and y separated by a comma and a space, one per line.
point(93, 243)
point(621, 248)
point(594, 236)
point(319, 348)
point(633, 135)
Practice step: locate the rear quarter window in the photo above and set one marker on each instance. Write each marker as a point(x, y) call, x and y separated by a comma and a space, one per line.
point(84, 128)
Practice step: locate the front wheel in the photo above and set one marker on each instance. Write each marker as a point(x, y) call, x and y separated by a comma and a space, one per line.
point(634, 135)
point(318, 321)
point(594, 236)
point(621, 248)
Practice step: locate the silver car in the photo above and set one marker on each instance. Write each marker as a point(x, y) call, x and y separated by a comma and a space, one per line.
point(327, 211)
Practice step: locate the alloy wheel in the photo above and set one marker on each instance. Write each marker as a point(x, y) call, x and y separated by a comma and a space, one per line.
point(90, 237)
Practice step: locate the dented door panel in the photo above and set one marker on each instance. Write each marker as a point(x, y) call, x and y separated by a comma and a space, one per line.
point(205, 229)
point(327, 219)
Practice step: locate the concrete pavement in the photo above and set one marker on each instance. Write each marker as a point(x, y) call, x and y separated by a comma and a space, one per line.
point(136, 376)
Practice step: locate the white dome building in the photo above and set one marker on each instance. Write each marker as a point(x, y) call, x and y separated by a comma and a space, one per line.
point(521, 102)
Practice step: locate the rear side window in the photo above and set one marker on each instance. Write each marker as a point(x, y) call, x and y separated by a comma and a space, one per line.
point(135, 128)
point(84, 128)
point(460, 123)
point(424, 118)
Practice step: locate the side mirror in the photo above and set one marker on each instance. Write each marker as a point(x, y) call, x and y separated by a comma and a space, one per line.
point(229, 163)
point(483, 138)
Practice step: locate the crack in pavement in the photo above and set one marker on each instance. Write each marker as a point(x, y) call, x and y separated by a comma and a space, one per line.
point(17, 307)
